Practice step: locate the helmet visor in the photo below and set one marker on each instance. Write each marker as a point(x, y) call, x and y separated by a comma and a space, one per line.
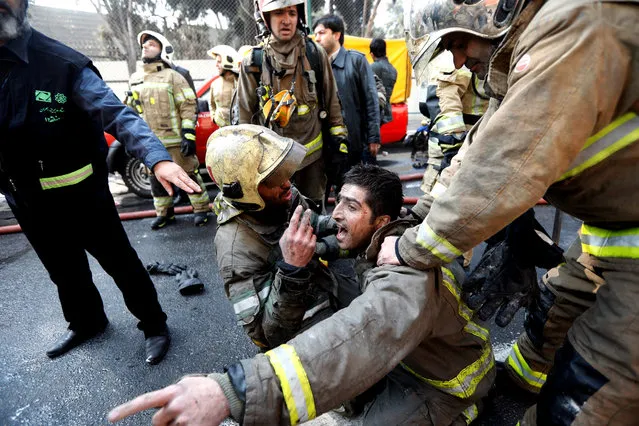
point(292, 159)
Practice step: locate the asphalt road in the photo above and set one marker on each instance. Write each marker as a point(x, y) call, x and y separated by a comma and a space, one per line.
point(80, 387)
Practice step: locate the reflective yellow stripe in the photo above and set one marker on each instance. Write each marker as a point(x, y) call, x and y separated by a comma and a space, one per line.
point(438, 189)
point(612, 138)
point(162, 202)
point(449, 123)
point(303, 109)
point(437, 245)
point(339, 131)
point(296, 389)
point(188, 124)
point(465, 383)
point(606, 243)
point(179, 98)
point(450, 283)
point(188, 93)
point(314, 145)
point(470, 414)
point(67, 179)
point(523, 370)
point(343, 148)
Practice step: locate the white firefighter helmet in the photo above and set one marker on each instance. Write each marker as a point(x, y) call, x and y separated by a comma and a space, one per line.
point(266, 6)
point(166, 54)
point(427, 21)
point(241, 157)
point(229, 56)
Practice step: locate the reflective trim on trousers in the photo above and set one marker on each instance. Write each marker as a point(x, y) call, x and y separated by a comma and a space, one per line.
point(606, 243)
point(339, 131)
point(296, 388)
point(68, 179)
point(523, 370)
point(162, 202)
point(612, 138)
point(437, 245)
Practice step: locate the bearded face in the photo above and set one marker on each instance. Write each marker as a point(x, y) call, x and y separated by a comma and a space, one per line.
point(13, 19)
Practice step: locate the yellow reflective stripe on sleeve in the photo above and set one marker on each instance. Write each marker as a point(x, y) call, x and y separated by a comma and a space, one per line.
point(188, 93)
point(465, 383)
point(606, 243)
point(303, 109)
point(470, 413)
point(67, 179)
point(612, 138)
point(314, 145)
point(296, 388)
point(523, 370)
point(188, 124)
point(189, 136)
point(343, 148)
point(437, 245)
point(449, 123)
point(179, 98)
point(339, 131)
point(438, 189)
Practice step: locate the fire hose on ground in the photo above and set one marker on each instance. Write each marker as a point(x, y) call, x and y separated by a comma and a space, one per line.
point(12, 229)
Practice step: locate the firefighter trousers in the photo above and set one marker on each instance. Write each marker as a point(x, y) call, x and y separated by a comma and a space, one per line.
point(580, 348)
point(62, 228)
point(161, 199)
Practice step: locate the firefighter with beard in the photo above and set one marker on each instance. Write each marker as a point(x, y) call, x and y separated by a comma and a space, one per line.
point(562, 123)
point(163, 97)
point(287, 85)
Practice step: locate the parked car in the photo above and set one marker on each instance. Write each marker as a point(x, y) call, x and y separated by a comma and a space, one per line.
point(134, 173)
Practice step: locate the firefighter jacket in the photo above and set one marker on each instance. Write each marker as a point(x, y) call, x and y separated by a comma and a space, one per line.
point(54, 108)
point(167, 102)
point(272, 302)
point(405, 318)
point(287, 59)
point(566, 77)
point(222, 90)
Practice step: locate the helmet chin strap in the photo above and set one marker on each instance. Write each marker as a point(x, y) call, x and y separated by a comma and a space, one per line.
point(151, 60)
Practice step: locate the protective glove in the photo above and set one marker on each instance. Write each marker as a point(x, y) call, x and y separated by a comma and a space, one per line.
point(505, 278)
point(324, 225)
point(165, 268)
point(189, 283)
point(187, 146)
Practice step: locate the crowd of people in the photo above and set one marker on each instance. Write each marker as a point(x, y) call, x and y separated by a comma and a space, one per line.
point(369, 308)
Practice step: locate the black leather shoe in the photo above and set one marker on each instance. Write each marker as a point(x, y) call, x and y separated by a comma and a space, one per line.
point(71, 338)
point(156, 348)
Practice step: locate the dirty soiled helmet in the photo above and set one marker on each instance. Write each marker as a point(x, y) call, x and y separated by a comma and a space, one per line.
point(241, 157)
point(271, 5)
point(427, 21)
point(166, 54)
point(229, 56)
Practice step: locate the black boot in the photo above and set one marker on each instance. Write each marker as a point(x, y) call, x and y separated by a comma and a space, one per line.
point(162, 221)
point(200, 219)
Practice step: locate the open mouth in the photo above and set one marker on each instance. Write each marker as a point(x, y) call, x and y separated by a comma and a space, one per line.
point(341, 232)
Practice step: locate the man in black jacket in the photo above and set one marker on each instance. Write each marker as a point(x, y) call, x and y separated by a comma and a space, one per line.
point(356, 90)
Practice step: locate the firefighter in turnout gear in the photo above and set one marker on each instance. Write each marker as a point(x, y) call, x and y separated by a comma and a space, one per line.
point(167, 103)
point(272, 298)
point(287, 84)
point(455, 100)
point(407, 337)
point(562, 123)
point(227, 64)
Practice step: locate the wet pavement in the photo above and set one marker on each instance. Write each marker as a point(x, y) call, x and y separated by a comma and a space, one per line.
point(80, 387)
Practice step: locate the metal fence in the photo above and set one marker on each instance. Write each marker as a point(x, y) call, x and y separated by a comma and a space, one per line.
point(193, 26)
